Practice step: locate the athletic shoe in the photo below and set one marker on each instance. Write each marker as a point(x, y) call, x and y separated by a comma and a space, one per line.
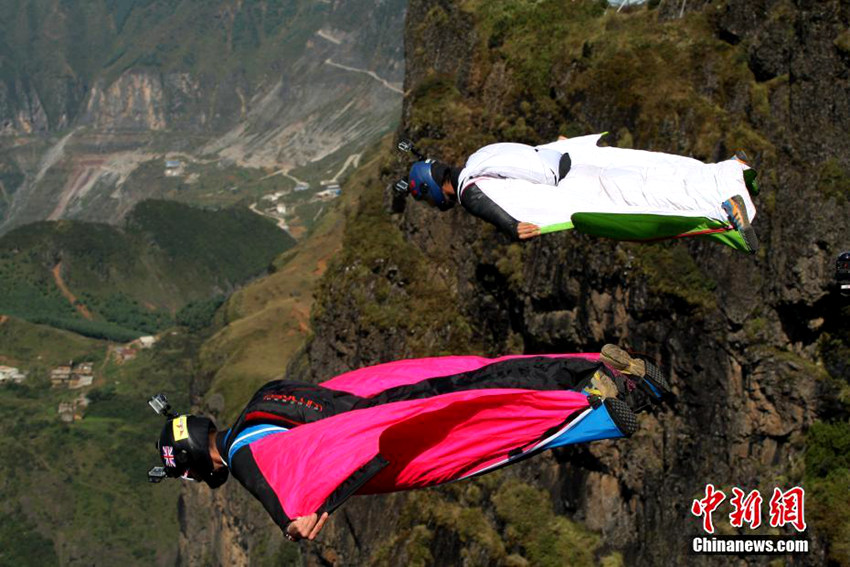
point(602, 385)
point(741, 156)
point(750, 175)
point(737, 212)
point(651, 380)
point(622, 416)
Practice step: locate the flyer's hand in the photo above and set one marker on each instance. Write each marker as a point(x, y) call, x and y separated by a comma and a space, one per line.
point(305, 527)
point(562, 137)
point(526, 230)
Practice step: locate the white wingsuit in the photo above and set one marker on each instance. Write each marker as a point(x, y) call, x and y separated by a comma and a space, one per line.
point(523, 180)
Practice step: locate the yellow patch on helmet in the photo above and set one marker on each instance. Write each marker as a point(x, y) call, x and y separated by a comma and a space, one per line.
point(180, 428)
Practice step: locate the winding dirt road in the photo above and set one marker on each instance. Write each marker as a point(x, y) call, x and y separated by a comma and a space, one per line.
point(60, 283)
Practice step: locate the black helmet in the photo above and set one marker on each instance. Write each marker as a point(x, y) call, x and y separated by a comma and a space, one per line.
point(184, 447)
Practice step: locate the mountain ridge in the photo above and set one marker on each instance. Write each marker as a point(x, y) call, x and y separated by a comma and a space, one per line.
point(246, 86)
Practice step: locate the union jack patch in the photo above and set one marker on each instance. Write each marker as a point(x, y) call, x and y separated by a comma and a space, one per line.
point(168, 456)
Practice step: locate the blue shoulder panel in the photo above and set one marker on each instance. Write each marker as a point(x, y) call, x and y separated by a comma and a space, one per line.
point(594, 426)
point(251, 434)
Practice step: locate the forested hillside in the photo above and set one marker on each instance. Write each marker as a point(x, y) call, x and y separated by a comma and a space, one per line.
point(113, 283)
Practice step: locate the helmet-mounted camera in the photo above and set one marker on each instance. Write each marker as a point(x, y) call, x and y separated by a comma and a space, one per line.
point(160, 405)
point(406, 146)
point(420, 182)
point(401, 187)
point(157, 475)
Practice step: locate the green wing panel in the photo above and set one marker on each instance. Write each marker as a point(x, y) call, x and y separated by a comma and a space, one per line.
point(655, 227)
point(556, 227)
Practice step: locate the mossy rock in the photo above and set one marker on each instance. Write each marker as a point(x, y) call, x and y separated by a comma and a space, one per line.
point(828, 483)
point(532, 525)
point(671, 270)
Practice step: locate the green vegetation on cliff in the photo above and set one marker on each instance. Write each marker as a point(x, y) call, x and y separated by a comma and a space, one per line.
point(828, 450)
point(548, 68)
point(390, 286)
point(828, 483)
point(521, 529)
point(671, 270)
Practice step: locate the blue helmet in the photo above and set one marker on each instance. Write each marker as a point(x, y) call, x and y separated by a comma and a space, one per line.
point(423, 185)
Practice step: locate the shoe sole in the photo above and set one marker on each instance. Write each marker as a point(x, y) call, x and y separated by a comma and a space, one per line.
point(620, 360)
point(603, 386)
point(736, 205)
point(750, 239)
point(623, 417)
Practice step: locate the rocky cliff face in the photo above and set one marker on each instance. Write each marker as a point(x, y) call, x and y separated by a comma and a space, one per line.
point(26, 116)
point(741, 336)
point(135, 101)
point(756, 345)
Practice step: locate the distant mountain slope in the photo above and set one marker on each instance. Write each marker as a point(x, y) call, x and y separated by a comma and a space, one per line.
point(88, 94)
point(132, 280)
point(59, 62)
point(77, 493)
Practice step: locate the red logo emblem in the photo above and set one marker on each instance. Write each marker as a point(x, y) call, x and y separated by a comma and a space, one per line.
point(707, 505)
point(787, 508)
point(746, 509)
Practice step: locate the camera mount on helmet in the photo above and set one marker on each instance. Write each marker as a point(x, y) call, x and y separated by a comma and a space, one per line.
point(160, 405)
point(406, 146)
point(157, 475)
point(401, 187)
